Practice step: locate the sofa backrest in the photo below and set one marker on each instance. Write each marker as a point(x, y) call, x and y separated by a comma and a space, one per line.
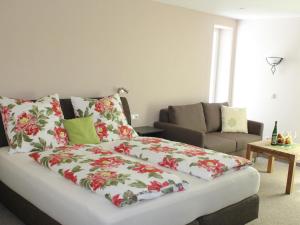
point(188, 116)
point(213, 117)
point(211, 114)
point(164, 116)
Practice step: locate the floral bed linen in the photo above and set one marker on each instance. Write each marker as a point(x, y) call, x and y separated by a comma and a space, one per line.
point(33, 126)
point(120, 179)
point(108, 116)
point(199, 162)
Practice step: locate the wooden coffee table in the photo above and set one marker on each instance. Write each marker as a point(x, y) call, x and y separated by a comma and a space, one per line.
point(291, 154)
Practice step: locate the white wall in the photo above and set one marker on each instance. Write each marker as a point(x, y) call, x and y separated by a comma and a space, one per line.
point(254, 83)
point(224, 65)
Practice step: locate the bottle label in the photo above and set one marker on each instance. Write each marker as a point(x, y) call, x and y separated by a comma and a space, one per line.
point(274, 140)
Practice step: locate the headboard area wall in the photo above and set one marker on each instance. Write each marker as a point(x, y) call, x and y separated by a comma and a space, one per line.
point(160, 53)
point(68, 111)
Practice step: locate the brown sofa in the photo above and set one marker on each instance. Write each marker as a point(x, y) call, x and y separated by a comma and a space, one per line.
point(200, 124)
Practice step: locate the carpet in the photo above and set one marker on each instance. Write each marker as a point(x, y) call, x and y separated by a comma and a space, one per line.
point(277, 208)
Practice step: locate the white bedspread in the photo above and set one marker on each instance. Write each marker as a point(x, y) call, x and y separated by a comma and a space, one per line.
point(73, 205)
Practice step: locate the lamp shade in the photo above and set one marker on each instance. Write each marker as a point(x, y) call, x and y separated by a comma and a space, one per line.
point(274, 61)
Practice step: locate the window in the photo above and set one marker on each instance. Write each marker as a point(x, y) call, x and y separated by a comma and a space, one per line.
point(220, 79)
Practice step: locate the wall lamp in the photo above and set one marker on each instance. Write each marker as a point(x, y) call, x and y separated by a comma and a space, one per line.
point(122, 90)
point(273, 62)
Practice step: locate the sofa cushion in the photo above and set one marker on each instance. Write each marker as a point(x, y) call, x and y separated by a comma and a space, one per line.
point(219, 144)
point(212, 113)
point(164, 116)
point(234, 119)
point(241, 139)
point(188, 116)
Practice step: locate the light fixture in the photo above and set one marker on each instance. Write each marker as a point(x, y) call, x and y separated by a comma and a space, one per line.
point(273, 62)
point(122, 90)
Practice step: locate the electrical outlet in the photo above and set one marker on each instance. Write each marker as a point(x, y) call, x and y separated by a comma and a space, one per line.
point(135, 116)
point(274, 96)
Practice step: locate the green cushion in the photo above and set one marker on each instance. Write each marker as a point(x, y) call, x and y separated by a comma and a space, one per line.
point(81, 131)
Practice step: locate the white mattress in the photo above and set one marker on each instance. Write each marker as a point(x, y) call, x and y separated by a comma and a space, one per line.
point(70, 204)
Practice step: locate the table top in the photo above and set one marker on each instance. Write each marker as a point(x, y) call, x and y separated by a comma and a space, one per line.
point(265, 145)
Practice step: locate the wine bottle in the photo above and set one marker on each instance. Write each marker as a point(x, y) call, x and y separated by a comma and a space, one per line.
point(274, 135)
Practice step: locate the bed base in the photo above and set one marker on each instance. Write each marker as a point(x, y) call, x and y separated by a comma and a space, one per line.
point(236, 214)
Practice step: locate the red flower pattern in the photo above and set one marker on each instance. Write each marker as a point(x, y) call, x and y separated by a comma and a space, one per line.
point(32, 129)
point(100, 178)
point(191, 152)
point(70, 176)
point(181, 188)
point(107, 162)
point(101, 130)
point(70, 147)
point(125, 132)
point(27, 123)
point(56, 107)
point(60, 135)
point(150, 140)
point(58, 158)
point(55, 159)
point(97, 150)
point(99, 106)
point(212, 165)
point(142, 168)
point(169, 162)
point(117, 200)
point(156, 186)
point(161, 149)
point(103, 105)
point(123, 148)
point(35, 156)
point(115, 182)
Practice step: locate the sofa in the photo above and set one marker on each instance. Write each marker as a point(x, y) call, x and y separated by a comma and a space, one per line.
point(200, 124)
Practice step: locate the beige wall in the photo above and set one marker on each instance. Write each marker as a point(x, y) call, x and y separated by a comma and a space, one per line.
point(161, 53)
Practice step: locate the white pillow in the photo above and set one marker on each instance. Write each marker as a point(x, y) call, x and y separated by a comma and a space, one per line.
point(234, 119)
point(108, 117)
point(33, 126)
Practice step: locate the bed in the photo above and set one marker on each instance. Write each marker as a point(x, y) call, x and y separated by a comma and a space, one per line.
point(35, 198)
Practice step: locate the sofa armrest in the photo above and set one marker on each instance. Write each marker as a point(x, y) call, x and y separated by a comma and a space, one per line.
point(255, 127)
point(176, 133)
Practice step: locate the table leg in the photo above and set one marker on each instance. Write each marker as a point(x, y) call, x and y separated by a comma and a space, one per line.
point(290, 178)
point(249, 153)
point(270, 164)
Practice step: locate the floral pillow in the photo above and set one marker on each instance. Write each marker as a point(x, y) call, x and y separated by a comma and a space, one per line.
point(108, 116)
point(33, 126)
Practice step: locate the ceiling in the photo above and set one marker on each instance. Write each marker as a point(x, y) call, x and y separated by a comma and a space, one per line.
point(242, 9)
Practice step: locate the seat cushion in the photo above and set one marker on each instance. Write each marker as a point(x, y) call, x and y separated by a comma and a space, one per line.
point(188, 116)
point(220, 144)
point(241, 139)
point(212, 113)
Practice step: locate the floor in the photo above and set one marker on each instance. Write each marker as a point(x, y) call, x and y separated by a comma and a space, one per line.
point(276, 208)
